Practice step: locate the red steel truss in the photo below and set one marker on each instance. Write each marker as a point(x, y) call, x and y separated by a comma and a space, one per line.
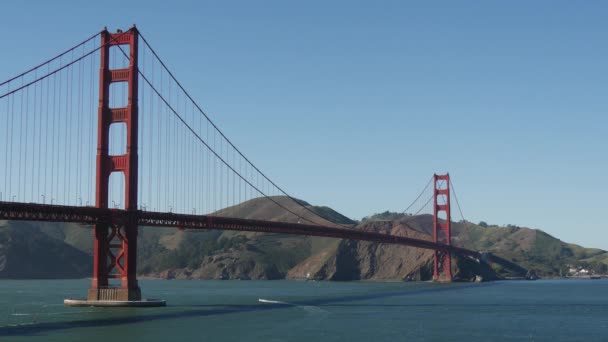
point(90, 215)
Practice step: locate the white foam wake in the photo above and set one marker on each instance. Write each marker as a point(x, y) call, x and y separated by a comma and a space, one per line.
point(261, 300)
point(313, 310)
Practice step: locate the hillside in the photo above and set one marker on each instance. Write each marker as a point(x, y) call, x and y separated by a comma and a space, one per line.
point(168, 252)
point(242, 255)
point(41, 250)
point(355, 260)
point(531, 248)
point(28, 251)
point(274, 209)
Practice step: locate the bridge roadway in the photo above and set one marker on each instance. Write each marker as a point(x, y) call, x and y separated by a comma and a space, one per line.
point(90, 215)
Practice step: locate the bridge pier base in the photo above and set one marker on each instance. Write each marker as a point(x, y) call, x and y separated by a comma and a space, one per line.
point(114, 293)
point(115, 303)
point(442, 267)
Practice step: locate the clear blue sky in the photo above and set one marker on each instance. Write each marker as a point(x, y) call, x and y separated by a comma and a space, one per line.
point(355, 105)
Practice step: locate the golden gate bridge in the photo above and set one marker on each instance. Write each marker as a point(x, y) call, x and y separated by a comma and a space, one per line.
point(160, 161)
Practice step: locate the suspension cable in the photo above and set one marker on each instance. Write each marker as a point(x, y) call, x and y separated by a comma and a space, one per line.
point(50, 60)
point(50, 73)
point(421, 193)
point(457, 203)
point(218, 156)
point(226, 138)
point(215, 153)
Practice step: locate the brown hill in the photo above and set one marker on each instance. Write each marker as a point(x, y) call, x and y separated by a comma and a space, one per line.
point(354, 260)
point(244, 255)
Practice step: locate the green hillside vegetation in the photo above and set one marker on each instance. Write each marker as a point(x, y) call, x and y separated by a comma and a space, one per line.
point(153, 257)
point(214, 250)
point(331, 215)
point(27, 252)
point(530, 248)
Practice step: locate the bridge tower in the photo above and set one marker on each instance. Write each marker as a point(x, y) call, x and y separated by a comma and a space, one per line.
point(442, 224)
point(115, 249)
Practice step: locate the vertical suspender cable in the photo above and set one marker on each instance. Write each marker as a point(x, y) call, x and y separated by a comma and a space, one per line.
point(47, 133)
point(68, 135)
point(6, 144)
point(152, 119)
point(52, 152)
point(143, 118)
point(32, 168)
point(160, 147)
point(19, 172)
point(60, 120)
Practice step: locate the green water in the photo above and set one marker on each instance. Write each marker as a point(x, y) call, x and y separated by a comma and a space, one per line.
point(564, 310)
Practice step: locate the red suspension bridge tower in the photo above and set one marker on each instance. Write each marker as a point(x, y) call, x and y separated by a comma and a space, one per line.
point(442, 264)
point(115, 250)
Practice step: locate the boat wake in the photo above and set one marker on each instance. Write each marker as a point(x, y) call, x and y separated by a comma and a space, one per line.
point(307, 308)
point(268, 301)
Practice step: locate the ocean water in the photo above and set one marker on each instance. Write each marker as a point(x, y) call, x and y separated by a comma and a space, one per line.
point(544, 310)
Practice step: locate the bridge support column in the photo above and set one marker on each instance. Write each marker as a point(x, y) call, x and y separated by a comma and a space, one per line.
point(442, 263)
point(115, 251)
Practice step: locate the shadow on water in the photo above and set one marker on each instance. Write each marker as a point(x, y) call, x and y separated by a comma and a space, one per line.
point(204, 310)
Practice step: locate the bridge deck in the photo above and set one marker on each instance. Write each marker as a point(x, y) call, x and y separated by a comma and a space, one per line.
point(90, 215)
